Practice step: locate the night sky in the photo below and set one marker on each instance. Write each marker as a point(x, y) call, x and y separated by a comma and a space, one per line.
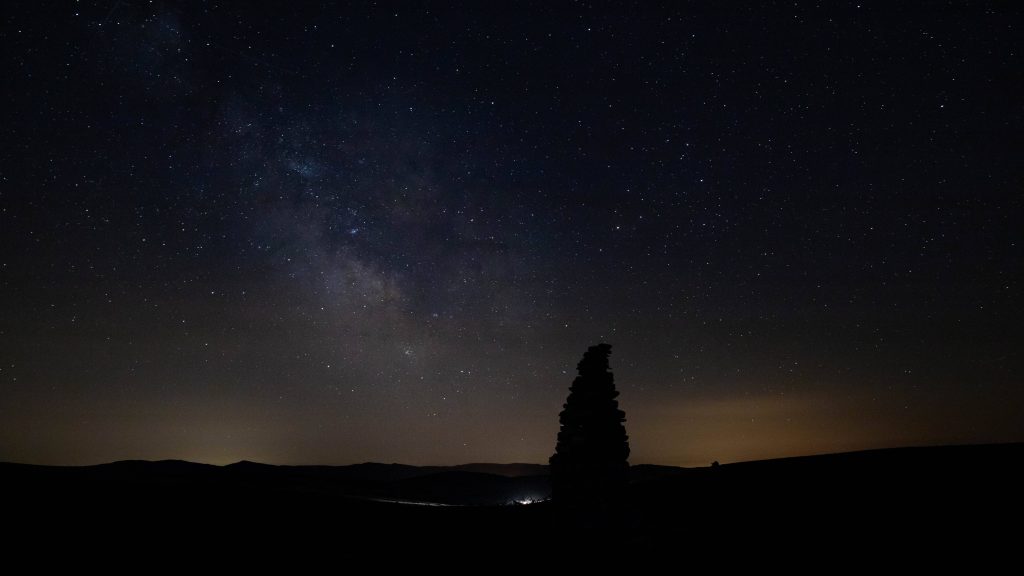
point(322, 234)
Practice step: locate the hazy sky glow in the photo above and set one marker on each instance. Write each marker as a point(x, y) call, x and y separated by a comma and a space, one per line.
point(340, 234)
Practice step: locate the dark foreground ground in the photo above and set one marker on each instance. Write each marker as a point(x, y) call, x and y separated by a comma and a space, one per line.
point(880, 509)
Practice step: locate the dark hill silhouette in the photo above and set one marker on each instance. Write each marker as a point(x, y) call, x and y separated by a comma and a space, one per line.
point(903, 502)
point(477, 488)
point(158, 468)
point(248, 464)
point(511, 470)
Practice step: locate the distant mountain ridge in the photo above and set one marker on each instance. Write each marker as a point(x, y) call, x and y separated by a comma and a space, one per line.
point(378, 471)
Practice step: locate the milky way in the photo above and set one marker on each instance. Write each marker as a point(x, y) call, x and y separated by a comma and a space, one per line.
point(332, 234)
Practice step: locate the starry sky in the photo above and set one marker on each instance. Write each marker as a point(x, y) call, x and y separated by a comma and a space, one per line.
point(388, 232)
